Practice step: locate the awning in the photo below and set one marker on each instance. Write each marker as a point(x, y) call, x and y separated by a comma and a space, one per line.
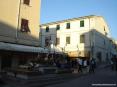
point(21, 48)
point(79, 54)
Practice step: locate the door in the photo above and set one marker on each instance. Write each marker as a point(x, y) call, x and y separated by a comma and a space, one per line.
point(6, 61)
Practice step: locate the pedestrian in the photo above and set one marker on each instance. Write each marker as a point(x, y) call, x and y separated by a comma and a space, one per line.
point(88, 65)
point(79, 63)
point(92, 66)
point(112, 64)
point(85, 63)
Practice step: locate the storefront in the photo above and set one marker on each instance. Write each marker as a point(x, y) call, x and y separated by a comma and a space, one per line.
point(79, 54)
point(13, 55)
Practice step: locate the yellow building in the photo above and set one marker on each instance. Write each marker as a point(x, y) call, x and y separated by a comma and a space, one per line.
point(19, 21)
point(19, 32)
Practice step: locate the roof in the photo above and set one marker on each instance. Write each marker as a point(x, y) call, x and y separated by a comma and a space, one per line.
point(67, 20)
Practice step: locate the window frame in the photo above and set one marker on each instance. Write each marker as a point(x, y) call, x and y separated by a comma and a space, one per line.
point(68, 40)
point(57, 41)
point(47, 41)
point(26, 2)
point(81, 23)
point(24, 25)
point(68, 25)
point(82, 38)
point(58, 27)
point(104, 28)
point(47, 29)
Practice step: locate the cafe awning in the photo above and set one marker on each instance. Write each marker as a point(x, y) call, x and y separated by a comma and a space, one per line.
point(21, 48)
point(79, 54)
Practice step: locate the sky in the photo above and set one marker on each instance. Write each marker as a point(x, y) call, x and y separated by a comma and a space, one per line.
point(56, 10)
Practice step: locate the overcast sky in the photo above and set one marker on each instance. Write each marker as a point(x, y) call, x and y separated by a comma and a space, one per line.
point(55, 10)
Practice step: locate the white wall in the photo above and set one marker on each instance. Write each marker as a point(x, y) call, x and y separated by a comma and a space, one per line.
point(93, 24)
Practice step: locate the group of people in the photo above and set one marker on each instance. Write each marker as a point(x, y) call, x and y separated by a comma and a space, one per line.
point(79, 64)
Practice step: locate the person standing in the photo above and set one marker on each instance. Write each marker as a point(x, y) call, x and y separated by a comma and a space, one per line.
point(112, 64)
point(79, 62)
point(92, 66)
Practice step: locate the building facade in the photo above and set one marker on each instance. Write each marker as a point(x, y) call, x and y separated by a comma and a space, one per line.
point(19, 21)
point(83, 37)
point(19, 31)
point(114, 47)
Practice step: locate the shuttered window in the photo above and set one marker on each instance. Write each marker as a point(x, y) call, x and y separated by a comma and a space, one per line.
point(57, 41)
point(68, 26)
point(57, 27)
point(47, 29)
point(24, 25)
point(82, 38)
point(27, 2)
point(82, 23)
point(68, 40)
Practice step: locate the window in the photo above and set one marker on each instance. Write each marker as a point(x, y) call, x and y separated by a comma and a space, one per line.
point(47, 41)
point(68, 25)
point(27, 2)
point(47, 29)
point(67, 40)
point(82, 23)
point(82, 38)
point(57, 41)
point(24, 25)
point(104, 28)
point(57, 27)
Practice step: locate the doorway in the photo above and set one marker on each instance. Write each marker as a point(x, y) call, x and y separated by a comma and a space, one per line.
point(6, 61)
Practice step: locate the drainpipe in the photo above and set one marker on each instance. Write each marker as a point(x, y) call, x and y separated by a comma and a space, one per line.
point(40, 36)
point(90, 39)
point(18, 21)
